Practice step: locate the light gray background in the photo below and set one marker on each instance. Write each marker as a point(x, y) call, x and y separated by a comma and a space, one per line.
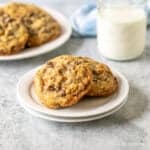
point(127, 129)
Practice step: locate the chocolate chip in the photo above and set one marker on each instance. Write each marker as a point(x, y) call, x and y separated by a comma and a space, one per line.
point(10, 33)
point(51, 88)
point(60, 71)
point(63, 93)
point(50, 64)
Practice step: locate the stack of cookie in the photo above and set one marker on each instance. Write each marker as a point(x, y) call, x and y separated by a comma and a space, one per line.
point(23, 25)
point(64, 80)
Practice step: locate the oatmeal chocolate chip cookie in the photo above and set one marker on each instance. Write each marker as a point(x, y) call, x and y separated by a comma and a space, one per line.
point(13, 35)
point(104, 82)
point(41, 26)
point(62, 82)
point(16, 10)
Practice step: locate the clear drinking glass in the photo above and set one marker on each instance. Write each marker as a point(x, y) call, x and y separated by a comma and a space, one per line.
point(121, 28)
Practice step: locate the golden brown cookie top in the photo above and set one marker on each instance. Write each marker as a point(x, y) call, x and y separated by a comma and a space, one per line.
point(13, 34)
point(41, 26)
point(64, 81)
point(104, 82)
point(16, 10)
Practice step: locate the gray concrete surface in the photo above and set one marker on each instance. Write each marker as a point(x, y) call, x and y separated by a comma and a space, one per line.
point(127, 129)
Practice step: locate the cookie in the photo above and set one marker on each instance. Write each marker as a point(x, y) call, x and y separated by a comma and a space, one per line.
point(16, 10)
point(62, 81)
point(13, 34)
point(104, 82)
point(41, 26)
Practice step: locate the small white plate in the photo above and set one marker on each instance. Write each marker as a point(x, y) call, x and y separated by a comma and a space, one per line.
point(88, 107)
point(71, 120)
point(49, 46)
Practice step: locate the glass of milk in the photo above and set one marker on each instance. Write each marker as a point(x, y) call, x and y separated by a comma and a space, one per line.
point(121, 28)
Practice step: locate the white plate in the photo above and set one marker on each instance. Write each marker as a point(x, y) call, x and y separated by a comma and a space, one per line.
point(86, 108)
point(71, 120)
point(47, 47)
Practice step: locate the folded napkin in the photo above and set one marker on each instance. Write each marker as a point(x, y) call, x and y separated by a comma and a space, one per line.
point(84, 20)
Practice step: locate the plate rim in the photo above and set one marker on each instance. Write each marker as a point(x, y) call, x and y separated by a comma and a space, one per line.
point(61, 40)
point(21, 99)
point(73, 120)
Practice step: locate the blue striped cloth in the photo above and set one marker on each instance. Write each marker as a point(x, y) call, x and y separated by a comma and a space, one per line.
point(84, 20)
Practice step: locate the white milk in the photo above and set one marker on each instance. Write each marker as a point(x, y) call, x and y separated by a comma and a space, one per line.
point(121, 32)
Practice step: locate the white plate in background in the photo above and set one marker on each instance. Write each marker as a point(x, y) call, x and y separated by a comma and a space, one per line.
point(49, 46)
